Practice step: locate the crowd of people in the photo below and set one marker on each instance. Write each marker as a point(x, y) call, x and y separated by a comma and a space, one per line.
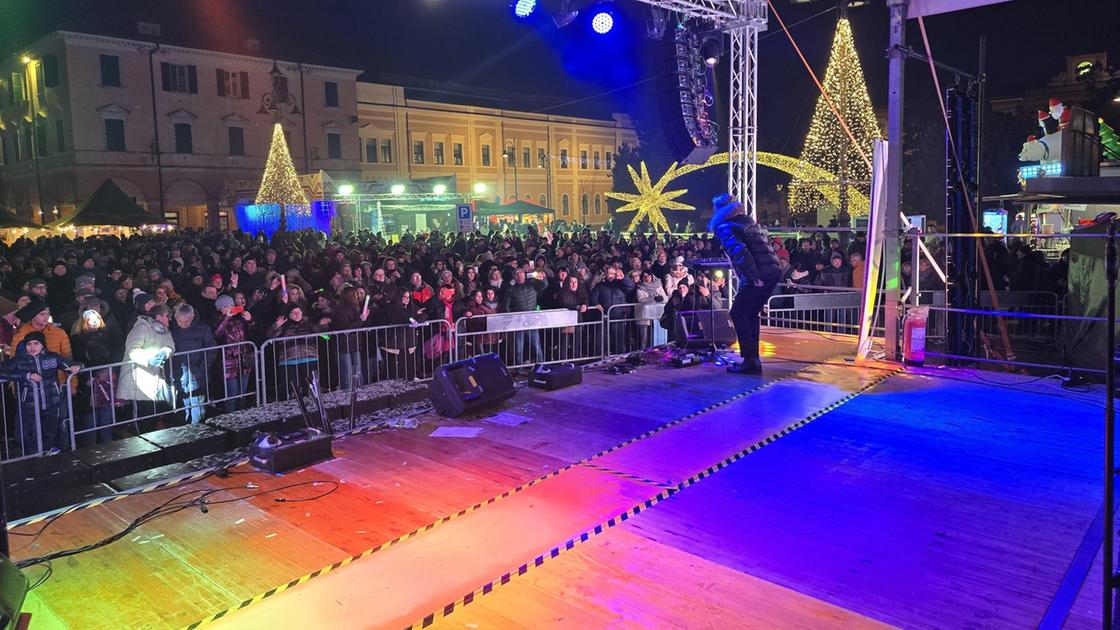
point(155, 302)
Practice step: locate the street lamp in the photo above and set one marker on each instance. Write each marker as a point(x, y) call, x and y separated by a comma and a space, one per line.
point(397, 189)
point(271, 101)
point(480, 188)
point(439, 189)
point(510, 156)
point(346, 190)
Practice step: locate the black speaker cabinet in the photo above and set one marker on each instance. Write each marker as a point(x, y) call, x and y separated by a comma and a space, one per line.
point(556, 376)
point(469, 385)
point(13, 589)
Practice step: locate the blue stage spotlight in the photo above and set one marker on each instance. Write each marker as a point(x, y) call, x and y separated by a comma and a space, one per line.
point(524, 8)
point(602, 22)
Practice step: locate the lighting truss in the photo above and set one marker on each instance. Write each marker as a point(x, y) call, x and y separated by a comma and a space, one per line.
point(743, 19)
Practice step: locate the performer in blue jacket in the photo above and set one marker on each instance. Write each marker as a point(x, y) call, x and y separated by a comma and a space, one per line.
point(756, 265)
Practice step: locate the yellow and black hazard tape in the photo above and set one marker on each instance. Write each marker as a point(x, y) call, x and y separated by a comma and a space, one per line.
point(481, 504)
point(625, 475)
point(624, 516)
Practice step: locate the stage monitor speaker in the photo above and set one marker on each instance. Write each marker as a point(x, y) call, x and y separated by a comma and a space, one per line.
point(556, 376)
point(13, 589)
point(469, 385)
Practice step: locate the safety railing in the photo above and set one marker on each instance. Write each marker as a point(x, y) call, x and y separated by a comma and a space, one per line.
point(343, 359)
point(634, 327)
point(102, 399)
point(1035, 329)
point(525, 345)
point(22, 414)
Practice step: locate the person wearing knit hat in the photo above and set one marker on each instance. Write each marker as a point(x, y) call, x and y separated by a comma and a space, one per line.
point(223, 302)
point(758, 270)
point(37, 370)
point(142, 301)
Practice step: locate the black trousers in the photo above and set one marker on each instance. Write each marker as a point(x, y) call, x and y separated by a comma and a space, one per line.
point(745, 316)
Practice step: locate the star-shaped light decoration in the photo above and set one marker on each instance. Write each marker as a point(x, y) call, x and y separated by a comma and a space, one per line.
point(652, 198)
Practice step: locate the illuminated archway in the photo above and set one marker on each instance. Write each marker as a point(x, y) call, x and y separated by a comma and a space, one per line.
point(652, 198)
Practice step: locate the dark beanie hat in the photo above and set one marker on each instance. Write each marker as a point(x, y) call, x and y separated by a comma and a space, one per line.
point(35, 335)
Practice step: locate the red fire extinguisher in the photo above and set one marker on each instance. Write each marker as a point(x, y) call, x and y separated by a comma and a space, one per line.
point(914, 336)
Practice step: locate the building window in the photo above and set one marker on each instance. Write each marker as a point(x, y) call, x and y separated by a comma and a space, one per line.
point(598, 162)
point(565, 206)
point(563, 158)
point(334, 146)
point(184, 141)
point(179, 78)
point(526, 158)
point(50, 71)
point(543, 201)
point(598, 205)
point(110, 71)
point(541, 157)
point(387, 151)
point(457, 153)
point(29, 142)
point(60, 135)
point(288, 139)
point(486, 155)
point(114, 134)
point(236, 141)
point(3, 149)
point(437, 152)
point(418, 152)
point(510, 155)
point(584, 202)
point(16, 91)
point(583, 159)
point(330, 94)
point(610, 160)
point(40, 83)
point(233, 84)
point(371, 150)
point(41, 138)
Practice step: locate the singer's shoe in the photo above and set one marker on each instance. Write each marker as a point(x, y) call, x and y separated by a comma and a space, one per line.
point(746, 368)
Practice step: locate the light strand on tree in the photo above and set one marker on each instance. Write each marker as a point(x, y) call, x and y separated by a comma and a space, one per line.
point(827, 145)
point(280, 182)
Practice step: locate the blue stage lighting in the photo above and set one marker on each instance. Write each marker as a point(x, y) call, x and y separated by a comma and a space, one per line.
point(524, 8)
point(602, 23)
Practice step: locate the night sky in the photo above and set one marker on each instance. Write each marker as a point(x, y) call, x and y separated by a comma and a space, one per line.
point(479, 44)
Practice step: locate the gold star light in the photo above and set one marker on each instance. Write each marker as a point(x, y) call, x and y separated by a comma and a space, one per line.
point(651, 198)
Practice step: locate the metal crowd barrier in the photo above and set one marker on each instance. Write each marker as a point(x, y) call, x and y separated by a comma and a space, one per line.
point(633, 327)
point(521, 342)
point(180, 389)
point(19, 421)
point(359, 356)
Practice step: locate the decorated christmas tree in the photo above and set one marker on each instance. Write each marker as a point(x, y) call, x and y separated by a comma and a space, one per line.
point(280, 183)
point(827, 146)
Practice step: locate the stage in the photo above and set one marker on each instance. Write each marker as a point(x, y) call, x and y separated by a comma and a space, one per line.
point(820, 494)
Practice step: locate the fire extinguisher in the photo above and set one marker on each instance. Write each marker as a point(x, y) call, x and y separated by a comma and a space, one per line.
point(914, 336)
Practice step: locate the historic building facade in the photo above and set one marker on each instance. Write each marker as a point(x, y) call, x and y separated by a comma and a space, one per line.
point(167, 124)
point(559, 162)
point(172, 125)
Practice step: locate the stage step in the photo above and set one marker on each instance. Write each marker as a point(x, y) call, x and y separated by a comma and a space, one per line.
point(119, 458)
point(26, 481)
point(188, 442)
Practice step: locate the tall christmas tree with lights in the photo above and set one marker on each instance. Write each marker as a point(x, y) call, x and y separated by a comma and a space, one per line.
point(280, 185)
point(826, 145)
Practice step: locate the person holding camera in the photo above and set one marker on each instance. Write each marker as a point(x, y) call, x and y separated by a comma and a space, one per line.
point(147, 348)
point(237, 358)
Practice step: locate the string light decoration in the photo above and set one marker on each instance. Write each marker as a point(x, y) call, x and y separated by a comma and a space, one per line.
point(826, 145)
point(652, 198)
point(280, 183)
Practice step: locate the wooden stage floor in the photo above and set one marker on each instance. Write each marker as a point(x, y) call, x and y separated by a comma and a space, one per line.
point(822, 494)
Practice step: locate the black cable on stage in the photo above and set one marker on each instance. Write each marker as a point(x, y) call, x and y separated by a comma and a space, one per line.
point(171, 507)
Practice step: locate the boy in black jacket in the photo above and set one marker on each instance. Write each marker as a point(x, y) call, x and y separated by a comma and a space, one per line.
point(36, 370)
